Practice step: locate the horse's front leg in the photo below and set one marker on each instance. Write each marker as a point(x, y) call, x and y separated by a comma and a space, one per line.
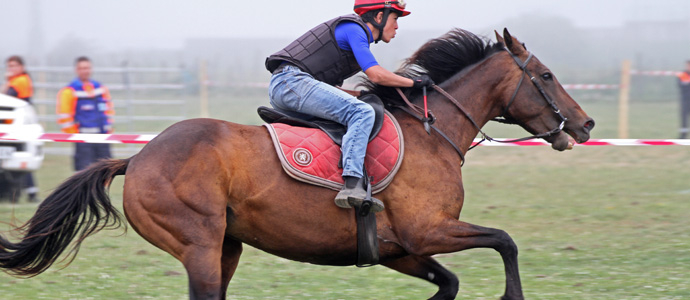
point(453, 236)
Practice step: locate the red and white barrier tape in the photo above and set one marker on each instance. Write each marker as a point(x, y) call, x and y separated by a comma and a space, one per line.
point(81, 138)
point(145, 138)
point(591, 86)
point(597, 142)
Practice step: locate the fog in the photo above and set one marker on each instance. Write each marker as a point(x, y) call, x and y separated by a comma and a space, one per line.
point(239, 34)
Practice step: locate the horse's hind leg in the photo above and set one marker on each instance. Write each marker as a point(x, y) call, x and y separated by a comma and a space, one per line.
point(232, 250)
point(193, 236)
point(430, 270)
point(204, 272)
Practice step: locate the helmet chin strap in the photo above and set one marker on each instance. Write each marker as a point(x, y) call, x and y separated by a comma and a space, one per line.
point(380, 26)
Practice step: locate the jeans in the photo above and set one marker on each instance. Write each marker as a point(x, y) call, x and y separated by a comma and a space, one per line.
point(86, 154)
point(299, 95)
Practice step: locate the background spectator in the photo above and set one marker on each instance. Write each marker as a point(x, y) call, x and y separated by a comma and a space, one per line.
point(84, 106)
point(684, 82)
point(18, 84)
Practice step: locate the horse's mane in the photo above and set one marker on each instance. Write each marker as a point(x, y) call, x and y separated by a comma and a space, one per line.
point(441, 59)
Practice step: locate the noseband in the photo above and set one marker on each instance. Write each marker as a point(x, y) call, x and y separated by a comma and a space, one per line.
point(485, 137)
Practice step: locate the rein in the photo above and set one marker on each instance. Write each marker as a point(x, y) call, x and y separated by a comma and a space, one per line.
point(416, 111)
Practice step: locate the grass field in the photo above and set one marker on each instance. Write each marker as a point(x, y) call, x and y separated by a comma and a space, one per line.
point(593, 223)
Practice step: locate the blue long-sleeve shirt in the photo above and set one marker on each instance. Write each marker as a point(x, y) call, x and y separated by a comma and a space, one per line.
point(351, 37)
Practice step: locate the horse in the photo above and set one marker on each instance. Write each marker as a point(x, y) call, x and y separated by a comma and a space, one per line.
point(203, 187)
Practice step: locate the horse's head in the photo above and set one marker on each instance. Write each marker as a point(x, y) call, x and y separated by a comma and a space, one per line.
point(535, 100)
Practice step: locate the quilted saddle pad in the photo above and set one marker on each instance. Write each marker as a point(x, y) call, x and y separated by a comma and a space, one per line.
point(310, 156)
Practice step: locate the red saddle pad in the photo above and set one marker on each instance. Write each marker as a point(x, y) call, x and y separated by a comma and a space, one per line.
point(310, 156)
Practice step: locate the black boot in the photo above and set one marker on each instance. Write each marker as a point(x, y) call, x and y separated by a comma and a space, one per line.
point(353, 194)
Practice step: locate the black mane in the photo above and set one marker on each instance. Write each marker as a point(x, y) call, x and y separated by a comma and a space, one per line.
point(441, 59)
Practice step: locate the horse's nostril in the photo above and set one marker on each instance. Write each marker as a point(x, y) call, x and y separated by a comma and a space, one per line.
point(589, 125)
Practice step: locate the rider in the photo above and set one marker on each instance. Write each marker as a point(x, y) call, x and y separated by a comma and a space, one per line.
point(308, 72)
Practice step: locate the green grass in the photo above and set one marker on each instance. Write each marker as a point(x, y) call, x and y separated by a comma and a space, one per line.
point(592, 223)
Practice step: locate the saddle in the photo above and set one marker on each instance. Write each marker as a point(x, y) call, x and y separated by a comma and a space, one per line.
point(334, 130)
point(309, 151)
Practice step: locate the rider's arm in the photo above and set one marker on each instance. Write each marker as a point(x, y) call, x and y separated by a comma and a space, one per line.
point(379, 75)
point(351, 37)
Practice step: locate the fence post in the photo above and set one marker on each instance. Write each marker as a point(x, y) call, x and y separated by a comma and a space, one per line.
point(624, 101)
point(42, 94)
point(127, 83)
point(203, 89)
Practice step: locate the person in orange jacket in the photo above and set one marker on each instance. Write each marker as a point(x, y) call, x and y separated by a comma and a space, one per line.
point(85, 106)
point(684, 83)
point(18, 84)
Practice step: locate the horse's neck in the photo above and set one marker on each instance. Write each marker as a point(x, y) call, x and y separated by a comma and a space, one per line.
point(478, 90)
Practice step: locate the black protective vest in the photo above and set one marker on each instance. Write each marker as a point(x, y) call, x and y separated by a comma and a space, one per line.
point(317, 53)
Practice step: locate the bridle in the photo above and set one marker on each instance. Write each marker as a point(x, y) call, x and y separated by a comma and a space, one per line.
point(523, 66)
point(428, 122)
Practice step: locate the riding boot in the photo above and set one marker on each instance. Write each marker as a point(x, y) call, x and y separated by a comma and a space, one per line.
point(353, 194)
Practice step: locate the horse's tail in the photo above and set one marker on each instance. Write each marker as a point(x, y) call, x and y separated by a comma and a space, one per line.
point(78, 208)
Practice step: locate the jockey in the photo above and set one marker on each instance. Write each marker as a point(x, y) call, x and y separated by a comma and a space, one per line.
point(308, 73)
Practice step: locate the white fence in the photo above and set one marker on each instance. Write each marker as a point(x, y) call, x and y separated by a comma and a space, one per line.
point(146, 100)
point(155, 87)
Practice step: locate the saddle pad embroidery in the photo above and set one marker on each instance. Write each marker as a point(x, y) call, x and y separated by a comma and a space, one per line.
point(309, 155)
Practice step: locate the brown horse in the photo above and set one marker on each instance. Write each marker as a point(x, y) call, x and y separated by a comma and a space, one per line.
point(204, 187)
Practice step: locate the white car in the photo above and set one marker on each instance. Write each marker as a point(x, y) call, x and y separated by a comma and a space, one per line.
point(18, 118)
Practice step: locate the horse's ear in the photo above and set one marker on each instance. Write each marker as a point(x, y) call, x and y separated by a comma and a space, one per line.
point(515, 46)
point(507, 38)
point(499, 38)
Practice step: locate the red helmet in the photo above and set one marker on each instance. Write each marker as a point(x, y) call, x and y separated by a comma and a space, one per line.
point(363, 6)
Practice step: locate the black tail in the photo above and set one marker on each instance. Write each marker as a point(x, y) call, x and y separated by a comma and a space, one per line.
point(79, 208)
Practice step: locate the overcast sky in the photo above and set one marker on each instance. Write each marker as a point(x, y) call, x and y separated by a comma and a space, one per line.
point(166, 23)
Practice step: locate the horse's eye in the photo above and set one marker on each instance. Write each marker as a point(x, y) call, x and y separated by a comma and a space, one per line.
point(547, 76)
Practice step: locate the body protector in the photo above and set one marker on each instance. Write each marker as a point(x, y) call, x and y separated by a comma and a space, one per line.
point(317, 53)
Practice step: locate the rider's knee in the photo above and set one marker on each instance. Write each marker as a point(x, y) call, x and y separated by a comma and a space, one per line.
point(367, 112)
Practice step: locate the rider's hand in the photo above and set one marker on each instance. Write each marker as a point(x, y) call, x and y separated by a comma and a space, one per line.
point(422, 81)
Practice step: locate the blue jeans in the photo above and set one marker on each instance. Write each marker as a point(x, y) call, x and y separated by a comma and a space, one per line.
point(298, 94)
